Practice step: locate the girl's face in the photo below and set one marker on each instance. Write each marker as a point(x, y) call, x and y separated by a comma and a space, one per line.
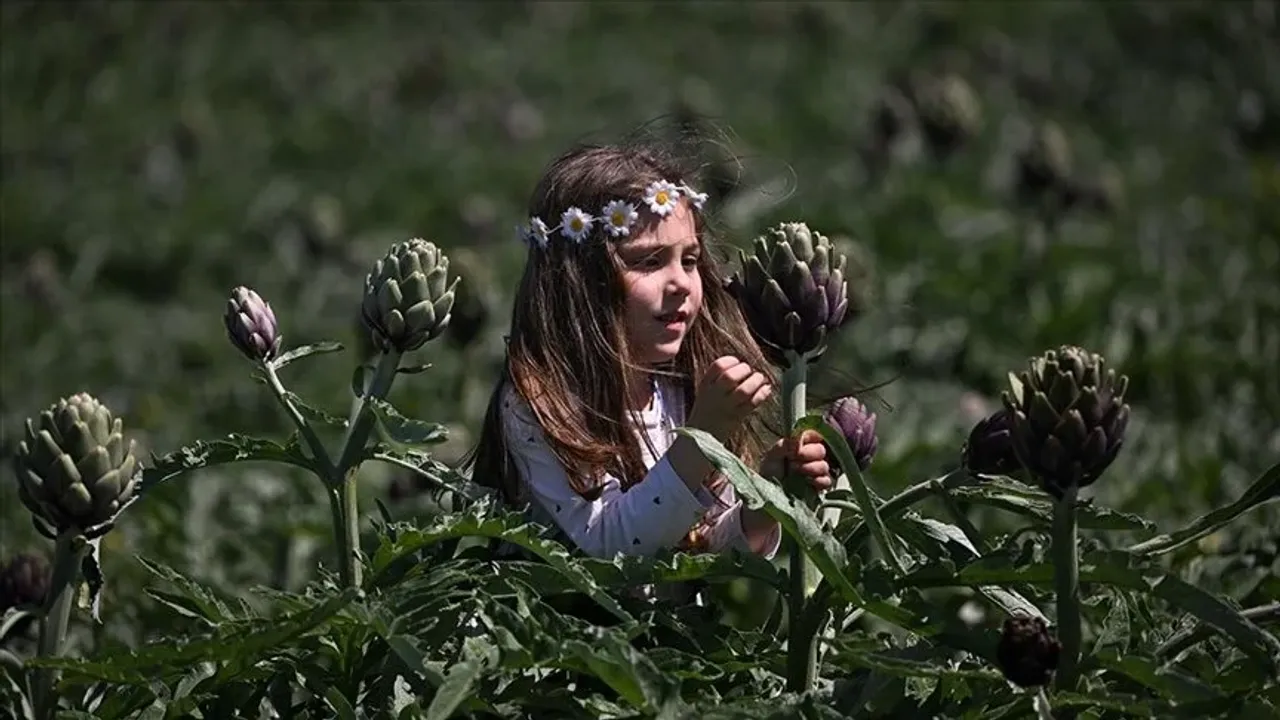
point(663, 286)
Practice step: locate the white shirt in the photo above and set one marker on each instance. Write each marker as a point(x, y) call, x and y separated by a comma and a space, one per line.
point(654, 514)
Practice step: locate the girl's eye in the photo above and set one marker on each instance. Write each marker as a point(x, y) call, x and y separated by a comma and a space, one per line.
point(691, 261)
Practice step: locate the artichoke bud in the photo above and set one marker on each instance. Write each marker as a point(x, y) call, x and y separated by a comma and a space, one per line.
point(989, 447)
point(1067, 418)
point(75, 469)
point(858, 426)
point(790, 296)
point(950, 113)
point(408, 298)
point(1027, 652)
point(251, 325)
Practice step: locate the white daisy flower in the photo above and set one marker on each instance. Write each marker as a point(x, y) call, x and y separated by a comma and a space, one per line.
point(575, 224)
point(661, 197)
point(537, 232)
point(619, 216)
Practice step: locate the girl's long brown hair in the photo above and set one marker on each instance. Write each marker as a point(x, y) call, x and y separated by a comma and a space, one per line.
point(567, 354)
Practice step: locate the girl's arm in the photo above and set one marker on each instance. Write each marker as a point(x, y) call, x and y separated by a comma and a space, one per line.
point(655, 514)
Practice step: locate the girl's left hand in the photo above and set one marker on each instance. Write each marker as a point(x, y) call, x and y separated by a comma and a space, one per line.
point(806, 455)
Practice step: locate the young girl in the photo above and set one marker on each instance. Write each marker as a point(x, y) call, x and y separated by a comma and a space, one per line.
point(621, 332)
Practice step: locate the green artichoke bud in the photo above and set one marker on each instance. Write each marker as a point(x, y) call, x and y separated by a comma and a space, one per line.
point(792, 291)
point(75, 467)
point(1027, 652)
point(251, 325)
point(950, 113)
point(1067, 417)
point(407, 296)
point(1045, 163)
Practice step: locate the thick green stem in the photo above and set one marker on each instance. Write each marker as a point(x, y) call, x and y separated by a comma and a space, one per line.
point(802, 651)
point(304, 427)
point(347, 516)
point(1066, 578)
point(68, 552)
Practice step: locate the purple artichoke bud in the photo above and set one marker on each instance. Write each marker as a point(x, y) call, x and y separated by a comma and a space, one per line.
point(1027, 652)
point(989, 448)
point(1067, 418)
point(792, 292)
point(24, 580)
point(251, 325)
point(858, 426)
point(75, 466)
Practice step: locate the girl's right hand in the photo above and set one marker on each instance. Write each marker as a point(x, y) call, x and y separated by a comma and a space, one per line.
point(727, 395)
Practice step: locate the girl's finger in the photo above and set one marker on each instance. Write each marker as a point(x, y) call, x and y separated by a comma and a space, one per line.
point(806, 453)
point(816, 468)
point(821, 482)
point(761, 395)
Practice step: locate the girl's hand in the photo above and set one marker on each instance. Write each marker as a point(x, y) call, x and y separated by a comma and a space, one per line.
point(805, 454)
point(727, 395)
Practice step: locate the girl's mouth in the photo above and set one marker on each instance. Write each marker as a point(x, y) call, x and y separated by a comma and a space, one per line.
point(674, 320)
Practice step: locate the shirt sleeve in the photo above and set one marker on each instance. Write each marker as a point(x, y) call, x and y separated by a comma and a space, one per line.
point(654, 514)
point(726, 530)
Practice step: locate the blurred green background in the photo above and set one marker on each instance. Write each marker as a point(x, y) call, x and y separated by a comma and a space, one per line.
point(157, 154)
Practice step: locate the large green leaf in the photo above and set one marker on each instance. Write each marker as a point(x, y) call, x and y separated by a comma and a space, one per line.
point(1264, 490)
point(1032, 502)
point(511, 527)
point(233, 448)
point(401, 430)
point(796, 519)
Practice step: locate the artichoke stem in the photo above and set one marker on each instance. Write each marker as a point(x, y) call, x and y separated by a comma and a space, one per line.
point(358, 429)
point(304, 427)
point(802, 651)
point(57, 615)
point(1066, 576)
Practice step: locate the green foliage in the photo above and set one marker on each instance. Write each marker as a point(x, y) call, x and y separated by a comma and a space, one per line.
point(158, 155)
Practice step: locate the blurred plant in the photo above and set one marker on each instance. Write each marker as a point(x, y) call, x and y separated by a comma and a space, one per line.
point(950, 113)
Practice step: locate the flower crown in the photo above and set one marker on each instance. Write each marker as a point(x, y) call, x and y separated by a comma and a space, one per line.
point(617, 217)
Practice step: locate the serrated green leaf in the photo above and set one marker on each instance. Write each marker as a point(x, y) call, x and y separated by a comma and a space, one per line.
point(313, 414)
point(1011, 496)
point(303, 351)
point(1261, 645)
point(796, 519)
point(191, 598)
point(458, 685)
point(1264, 490)
point(1169, 682)
point(209, 453)
point(401, 430)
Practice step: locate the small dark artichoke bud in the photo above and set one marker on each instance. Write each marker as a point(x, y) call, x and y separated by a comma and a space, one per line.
point(1067, 417)
point(24, 581)
point(858, 425)
point(950, 113)
point(1027, 652)
point(407, 296)
point(989, 448)
point(792, 291)
point(251, 325)
point(75, 466)
point(1044, 164)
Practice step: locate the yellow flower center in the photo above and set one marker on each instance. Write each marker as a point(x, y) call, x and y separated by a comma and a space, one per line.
point(662, 197)
point(618, 218)
point(576, 224)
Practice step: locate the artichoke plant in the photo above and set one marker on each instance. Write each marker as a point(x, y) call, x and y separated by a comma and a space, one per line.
point(251, 325)
point(1027, 652)
point(75, 467)
point(950, 113)
point(989, 447)
point(858, 425)
point(407, 296)
point(792, 291)
point(1067, 417)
